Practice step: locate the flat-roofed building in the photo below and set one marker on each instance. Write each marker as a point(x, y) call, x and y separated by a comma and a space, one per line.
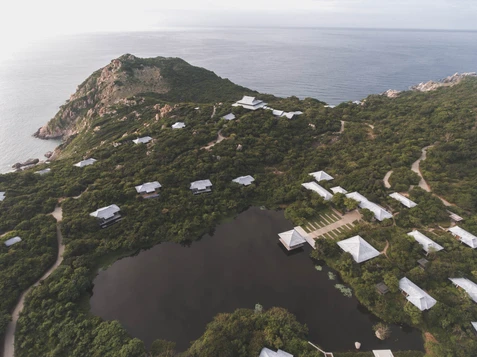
point(265, 352)
point(2, 196)
point(313, 186)
point(107, 215)
point(201, 186)
point(383, 353)
point(403, 199)
point(86, 162)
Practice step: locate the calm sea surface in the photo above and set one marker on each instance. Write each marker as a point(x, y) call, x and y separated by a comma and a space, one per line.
point(172, 292)
point(333, 65)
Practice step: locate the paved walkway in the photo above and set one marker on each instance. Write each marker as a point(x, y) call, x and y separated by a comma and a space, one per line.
point(386, 179)
point(8, 346)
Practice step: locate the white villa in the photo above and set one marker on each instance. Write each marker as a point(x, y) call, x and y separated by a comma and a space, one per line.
point(469, 286)
point(201, 186)
point(12, 241)
point(178, 125)
point(265, 352)
point(43, 172)
point(415, 295)
point(358, 248)
point(321, 176)
point(475, 325)
point(464, 236)
point(455, 217)
point(250, 103)
point(427, 243)
point(278, 113)
point(244, 180)
point(292, 239)
point(143, 140)
point(107, 215)
point(2, 196)
point(229, 116)
point(313, 186)
point(403, 199)
point(383, 353)
point(148, 190)
point(86, 162)
point(380, 213)
point(339, 189)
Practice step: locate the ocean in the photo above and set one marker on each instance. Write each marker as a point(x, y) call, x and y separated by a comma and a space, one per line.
point(333, 65)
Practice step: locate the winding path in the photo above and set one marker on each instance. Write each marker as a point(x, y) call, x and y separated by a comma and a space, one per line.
point(213, 113)
point(342, 127)
point(220, 138)
point(8, 346)
point(386, 179)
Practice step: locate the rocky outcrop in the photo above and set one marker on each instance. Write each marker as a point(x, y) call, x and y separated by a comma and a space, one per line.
point(392, 93)
point(446, 82)
point(29, 162)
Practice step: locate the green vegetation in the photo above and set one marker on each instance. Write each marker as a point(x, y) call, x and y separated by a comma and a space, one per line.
point(279, 153)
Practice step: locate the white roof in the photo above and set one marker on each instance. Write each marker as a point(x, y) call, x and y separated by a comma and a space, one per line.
point(148, 187)
point(426, 242)
point(379, 212)
point(229, 116)
point(12, 241)
point(178, 125)
point(290, 115)
point(292, 238)
point(250, 103)
point(383, 353)
point(143, 140)
point(86, 162)
point(321, 176)
point(200, 185)
point(339, 189)
point(244, 180)
point(265, 352)
point(464, 236)
point(474, 324)
point(2, 196)
point(469, 286)
point(318, 189)
point(105, 212)
point(278, 113)
point(358, 248)
point(42, 172)
point(403, 199)
point(249, 100)
point(455, 217)
point(416, 296)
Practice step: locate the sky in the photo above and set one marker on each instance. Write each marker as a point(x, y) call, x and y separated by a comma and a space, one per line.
point(22, 21)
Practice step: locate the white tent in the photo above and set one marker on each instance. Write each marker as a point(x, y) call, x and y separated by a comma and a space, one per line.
point(403, 199)
point(292, 239)
point(12, 241)
point(383, 353)
point(2, 196)
point(229, 116)
point(415, 295)
point(379, 212)
point(427, 243)
point(178, 125)
point(313, 186)
point(464, 236)
point(86, 162)
point(475, 325)
point(105, 212)
point(358, 248)
point(250, 103)
point(148, 187)
point(265, 352)
point(469, 286)
point(278, 113)
point(244, 180)
point(321, 176)
point(143, 140)
point(339, 189)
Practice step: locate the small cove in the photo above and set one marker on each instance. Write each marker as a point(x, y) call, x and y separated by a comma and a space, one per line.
point(171, 291)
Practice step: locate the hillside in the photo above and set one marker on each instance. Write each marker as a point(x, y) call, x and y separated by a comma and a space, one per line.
point(356, 144)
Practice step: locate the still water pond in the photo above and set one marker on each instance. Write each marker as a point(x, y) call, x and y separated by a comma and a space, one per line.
point(171, 292)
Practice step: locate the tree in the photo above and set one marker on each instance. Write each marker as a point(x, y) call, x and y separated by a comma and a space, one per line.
point(350, 204)
point(368, 215)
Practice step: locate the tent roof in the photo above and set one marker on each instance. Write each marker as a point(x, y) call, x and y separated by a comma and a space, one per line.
point(321, 176)
point(379, 212)
point(292, 238)
point(474, 324)
point(178, 125)
point(229, 116)
point(465, 237)
point(358, 248)
point(105, 212)
point(2, 196)
point(12, 241)
point(86, 162)
point(318, 189)
point(339, 189)
point(383, 353)
point(403, 199)
point(200, 185)
point(469, 286)
point(143, 140)
point(416, 296)
point(148, 187)
point(244, 180)
point(426, 242)
point(265, 352)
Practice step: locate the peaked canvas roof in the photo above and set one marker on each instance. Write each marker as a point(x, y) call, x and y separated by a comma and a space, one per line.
point(379, 212)
point(143, 140)
point(178, 125)
point(148, 187)
point(403, 199)
point(292, 238)
point(12, 241)
point(244, 180)
point(469, 286)
point(464, 236)
point(105, 212)
point(358, 248)
point(2, 196)
point(426, 242)
point(416, 296)
point(200, 185)
point(383, 353)
point(321, 176)
point(86, 162)
point(265, 352)
point(339, 189)
point(475, 325)
point(229, 116)
point(318, 189)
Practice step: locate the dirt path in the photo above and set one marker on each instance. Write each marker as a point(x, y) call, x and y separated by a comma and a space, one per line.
point(385, 251)
point(342, 127)
point(220, 138)
point(386, 179)
point(213, 112)
point(8, 346)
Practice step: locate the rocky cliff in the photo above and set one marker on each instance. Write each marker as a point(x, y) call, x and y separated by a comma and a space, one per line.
point(169, 79)
point(446, 82)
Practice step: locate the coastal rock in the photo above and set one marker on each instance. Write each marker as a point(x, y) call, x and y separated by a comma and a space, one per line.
point(29, 162)
point(48, 154)
point(392, 93)
point(446, 82)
